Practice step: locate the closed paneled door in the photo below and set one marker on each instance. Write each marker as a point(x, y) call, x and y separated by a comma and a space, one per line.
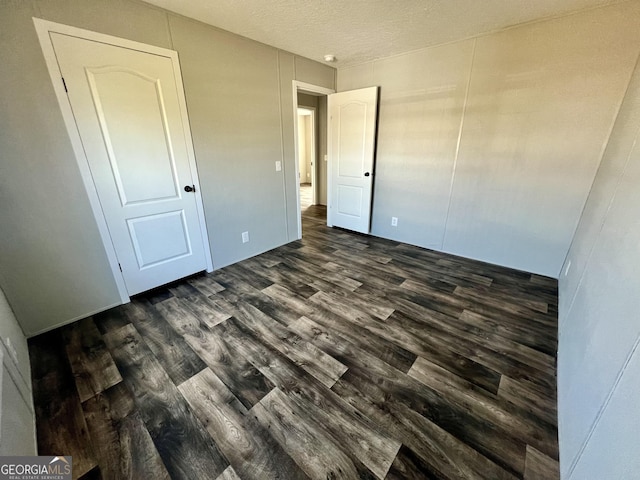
point(128, 113)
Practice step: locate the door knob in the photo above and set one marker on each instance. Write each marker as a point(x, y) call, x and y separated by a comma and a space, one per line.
point(366, 174)
point(190, 188)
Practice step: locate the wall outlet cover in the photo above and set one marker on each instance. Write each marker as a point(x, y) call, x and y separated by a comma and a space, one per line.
point(245, 237)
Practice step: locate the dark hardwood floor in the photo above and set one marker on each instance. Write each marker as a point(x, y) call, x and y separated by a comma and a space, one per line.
point(338, 356)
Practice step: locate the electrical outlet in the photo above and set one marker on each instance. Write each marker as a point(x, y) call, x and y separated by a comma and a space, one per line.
point(394, 221)
point(278, 165)
point(245, 237)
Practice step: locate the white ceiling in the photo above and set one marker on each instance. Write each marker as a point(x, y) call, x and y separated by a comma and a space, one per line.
point(356, 31)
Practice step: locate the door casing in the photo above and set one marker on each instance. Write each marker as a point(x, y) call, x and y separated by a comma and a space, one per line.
point(314, 161)
point(43, 28)
point(302, 87)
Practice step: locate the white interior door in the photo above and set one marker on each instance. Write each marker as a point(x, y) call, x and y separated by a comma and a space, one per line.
point(128, 114)
point(352, 137)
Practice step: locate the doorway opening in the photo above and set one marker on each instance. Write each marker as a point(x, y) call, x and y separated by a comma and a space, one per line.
point(311, 124)
point(307, 155)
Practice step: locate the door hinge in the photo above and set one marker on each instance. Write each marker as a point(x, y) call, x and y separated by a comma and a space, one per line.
point(120, 267)
point(64, 84)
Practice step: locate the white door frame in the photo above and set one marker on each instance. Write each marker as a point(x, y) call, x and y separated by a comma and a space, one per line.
point(302, 87)
point(314, 160)
point(43, 28)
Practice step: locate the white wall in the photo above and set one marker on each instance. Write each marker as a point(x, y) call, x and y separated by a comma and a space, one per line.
point(487, 147)
point(17, 417)
point(240, 101)
point(598, 357)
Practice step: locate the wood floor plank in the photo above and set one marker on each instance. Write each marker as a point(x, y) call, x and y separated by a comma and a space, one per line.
point(61, 423)
point(344, 423)
point(283, 275)
point(249, 447)
point(93, 474)
point(438, 367)
point(244, 275)
point(158, 294)
point(185, 447)
point(228, 474)
point(305, 441)
point(395, 355)
point(441, 334)
point(539, 466)
point(419, 307)
point(398, 331)
point(530, 429)
point(170, 349)
point(237, 373)
point(326, 279)
point(205, 284)
point(305, 355)
point(442, 453)
point(513, 295)
point(497, 300)
point(409, 465)
point(374, 277)
point(371, 304)
point(541, 341)
point(453, 429)
point(93, 368)
point(124, 448)
point(393, 388)
point(111, 319)
point(408, 259)
point(289, 298)
point(331, 264)
point(205, 310)
point(478, 303)
point(544, 406)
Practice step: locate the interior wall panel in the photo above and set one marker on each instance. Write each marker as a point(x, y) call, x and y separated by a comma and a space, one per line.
point(53, 267)
point(422, 98)
point(599, 328)
point(234, 109)
point(542, 99)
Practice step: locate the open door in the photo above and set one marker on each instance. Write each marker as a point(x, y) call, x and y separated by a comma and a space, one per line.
point(352, 138)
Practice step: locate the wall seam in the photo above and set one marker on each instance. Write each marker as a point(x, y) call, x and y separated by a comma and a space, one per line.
point(616, 382)
point(575, 295)
point(604, 220)
point(574, 462)
point(458, 142)
point(168, 20)
point(613, 197)
point(603, 408)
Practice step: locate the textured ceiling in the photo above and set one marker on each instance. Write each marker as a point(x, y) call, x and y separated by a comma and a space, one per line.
point(356, 31)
